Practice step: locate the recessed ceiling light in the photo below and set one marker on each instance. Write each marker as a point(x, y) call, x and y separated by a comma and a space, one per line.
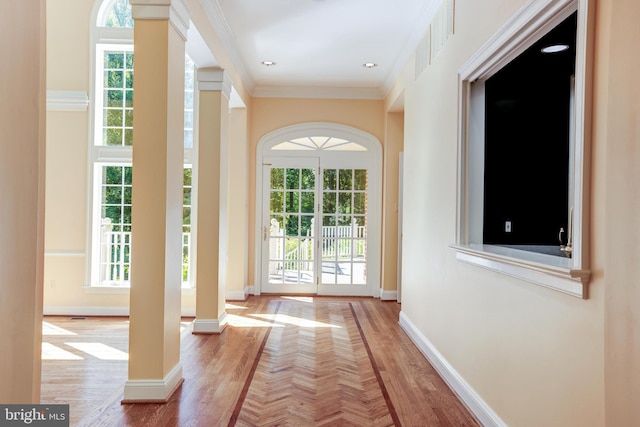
point(268, 63)
point(369, 65)
point(555, 48)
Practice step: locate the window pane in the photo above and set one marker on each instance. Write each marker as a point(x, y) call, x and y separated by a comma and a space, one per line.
point(360, 182)
point(113, 175)
point(306, 225)
point(277, 201)
point(113, 79)
point(129, 79)
point(307, 202)
point(293, 201)
point(293, 178)
point(113, 98)
point(329, 203)
point(277, 178)
point(120, 15)
point(128, 99)
point(113, 117)
point(128, 118)
point(292, 223)
point(359, 203)
point(113, 136)
point(308, 179)
point(329, 179)
point(113, 60)
point(344, 203)
point(345, 179)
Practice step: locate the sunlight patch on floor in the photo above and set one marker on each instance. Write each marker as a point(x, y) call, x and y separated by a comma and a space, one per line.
point(99, 350)
point(301, 299)
point(297, 321)
point(234, 307)
point(49, 329)
point(52, 352)
point(247, 322)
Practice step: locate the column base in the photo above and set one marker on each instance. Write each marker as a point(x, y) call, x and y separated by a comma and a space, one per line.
point(210, 326)
point(153, 391)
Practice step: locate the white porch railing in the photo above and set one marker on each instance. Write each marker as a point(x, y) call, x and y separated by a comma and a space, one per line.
point(115, 255)
point(342, 241)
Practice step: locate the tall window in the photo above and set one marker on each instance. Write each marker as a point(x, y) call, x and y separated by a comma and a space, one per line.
point(111, 163)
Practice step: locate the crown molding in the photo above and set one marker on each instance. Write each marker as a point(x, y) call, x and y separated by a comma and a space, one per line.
point(318, 92)
point(222, 28)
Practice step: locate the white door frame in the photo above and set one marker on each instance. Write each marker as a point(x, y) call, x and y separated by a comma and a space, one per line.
point(369, 157)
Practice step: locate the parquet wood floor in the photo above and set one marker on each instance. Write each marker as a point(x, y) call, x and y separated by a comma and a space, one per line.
point(283, 361)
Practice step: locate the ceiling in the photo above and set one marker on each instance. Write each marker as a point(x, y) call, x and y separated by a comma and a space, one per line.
point(319, 46)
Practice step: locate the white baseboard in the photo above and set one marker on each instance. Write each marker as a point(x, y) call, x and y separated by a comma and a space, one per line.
point(467, 394)
point(59, 310)
point(251, 290)
point(388, 295)
point(210, 326)
point(153, 390)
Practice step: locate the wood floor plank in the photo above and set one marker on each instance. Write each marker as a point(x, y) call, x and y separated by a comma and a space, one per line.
point(309, 360)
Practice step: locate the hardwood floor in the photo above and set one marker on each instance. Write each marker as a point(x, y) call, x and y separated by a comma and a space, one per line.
point(282, 361)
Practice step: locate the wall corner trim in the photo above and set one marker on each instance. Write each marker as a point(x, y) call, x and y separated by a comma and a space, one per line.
point(465, 392)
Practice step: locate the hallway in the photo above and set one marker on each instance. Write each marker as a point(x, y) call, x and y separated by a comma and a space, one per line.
point(298, 361)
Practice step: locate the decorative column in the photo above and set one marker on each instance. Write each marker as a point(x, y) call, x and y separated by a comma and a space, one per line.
point(160, 30)
point(213, 120)
point(22, 174)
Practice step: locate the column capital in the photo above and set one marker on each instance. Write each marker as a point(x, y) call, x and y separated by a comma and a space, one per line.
point(215, 79)
point(173, 10)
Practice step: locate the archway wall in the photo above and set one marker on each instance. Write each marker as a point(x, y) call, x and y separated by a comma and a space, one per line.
point(269, 114)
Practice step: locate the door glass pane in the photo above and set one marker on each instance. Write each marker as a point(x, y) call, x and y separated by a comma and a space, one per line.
point(291, 234)
point(329, 202)
point(308, 179)
point(344, 227)
point(293, 178)
point(277, 178)
point(330, 181)
point(345, 179)
point(360, 180)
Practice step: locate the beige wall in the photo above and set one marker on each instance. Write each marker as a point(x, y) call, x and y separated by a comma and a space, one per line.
point(394, 143)
point(536, 356)
point(269, 114)
point(618, 123)
point(238, 204)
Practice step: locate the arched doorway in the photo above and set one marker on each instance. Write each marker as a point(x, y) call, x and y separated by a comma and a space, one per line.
point(318, 209)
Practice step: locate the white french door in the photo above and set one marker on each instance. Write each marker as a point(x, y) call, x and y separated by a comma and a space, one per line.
point(314, 227)
point(289, 248)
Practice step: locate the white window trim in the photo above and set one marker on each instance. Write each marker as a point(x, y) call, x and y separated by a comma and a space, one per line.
point(104, 38)
point(567, 275)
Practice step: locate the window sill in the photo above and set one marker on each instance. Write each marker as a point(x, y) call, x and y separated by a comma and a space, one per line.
point(552, 272)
